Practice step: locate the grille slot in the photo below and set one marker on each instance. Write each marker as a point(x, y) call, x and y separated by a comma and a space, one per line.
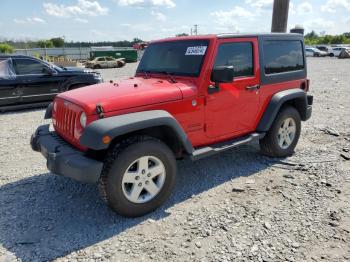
point(66, 117)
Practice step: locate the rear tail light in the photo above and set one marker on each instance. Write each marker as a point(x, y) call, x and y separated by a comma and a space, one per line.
point(305, 85)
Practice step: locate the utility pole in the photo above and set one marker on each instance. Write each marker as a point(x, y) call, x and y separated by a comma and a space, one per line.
point(195, 31)
point(280, 16)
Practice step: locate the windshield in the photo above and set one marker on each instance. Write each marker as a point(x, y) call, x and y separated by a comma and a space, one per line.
point(183, 58)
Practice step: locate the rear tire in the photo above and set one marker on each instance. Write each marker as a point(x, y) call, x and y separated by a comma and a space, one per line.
point(283, 136)
point(331, 55)
point(138, 176)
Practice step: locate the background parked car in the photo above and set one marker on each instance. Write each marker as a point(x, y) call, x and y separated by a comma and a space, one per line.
point(26, 80)
point(335, 51)
point(323, 48)
point(105, 62)
point(312, 51)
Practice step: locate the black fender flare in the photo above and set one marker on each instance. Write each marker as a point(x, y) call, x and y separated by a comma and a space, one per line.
point(300, 101)
point(48, 112)
point(127, 123)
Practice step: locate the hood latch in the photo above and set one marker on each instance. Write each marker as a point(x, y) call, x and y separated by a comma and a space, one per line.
point(99, 111)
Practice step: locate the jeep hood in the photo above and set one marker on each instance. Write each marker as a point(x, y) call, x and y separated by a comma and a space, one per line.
point(124, 94)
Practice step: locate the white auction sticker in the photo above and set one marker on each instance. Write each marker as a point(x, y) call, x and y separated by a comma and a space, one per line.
point(196, 50)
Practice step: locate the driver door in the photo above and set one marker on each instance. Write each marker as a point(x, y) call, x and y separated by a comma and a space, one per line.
point(232, 109)
point(35, 84)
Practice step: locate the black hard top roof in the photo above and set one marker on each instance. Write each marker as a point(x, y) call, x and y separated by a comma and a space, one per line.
point(16, 56)
point(264, 35)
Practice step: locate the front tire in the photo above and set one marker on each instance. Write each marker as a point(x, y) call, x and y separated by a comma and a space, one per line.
point(138, 176)
point(283, 136)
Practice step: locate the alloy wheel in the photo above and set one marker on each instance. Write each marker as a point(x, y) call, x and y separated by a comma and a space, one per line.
point(143, 179)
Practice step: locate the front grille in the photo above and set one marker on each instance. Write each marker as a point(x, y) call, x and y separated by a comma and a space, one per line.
point(65, 120)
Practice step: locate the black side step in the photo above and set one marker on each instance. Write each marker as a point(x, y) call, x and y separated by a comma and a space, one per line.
point(220, 147)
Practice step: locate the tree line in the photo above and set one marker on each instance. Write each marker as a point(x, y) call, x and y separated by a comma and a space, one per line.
point(314, 39)
point(8, 46)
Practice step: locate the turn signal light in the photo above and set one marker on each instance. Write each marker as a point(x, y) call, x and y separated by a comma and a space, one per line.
point(106, 140)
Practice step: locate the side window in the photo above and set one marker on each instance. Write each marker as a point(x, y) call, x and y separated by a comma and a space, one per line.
point(28, 67)
point(101, 59)
point(238, 55)
point(283, 56)
point(6, 69)
point(109, 59)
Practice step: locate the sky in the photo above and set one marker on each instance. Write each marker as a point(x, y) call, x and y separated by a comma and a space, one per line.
point(114, 20)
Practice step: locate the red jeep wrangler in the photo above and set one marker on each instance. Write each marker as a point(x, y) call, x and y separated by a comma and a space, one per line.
point(191, 96)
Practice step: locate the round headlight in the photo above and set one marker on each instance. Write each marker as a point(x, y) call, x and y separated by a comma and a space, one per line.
point(83, 119)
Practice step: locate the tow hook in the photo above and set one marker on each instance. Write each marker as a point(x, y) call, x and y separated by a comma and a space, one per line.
point(99, 111)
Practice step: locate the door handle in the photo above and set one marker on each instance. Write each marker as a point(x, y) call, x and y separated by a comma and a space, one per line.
point(253, 88)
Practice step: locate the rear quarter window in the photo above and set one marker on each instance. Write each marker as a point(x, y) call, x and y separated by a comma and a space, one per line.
point(283, 56)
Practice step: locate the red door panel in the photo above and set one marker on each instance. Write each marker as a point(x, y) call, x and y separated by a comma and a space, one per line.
point(232, 111)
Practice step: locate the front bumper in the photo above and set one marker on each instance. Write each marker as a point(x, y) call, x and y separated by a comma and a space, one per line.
point(63, 159)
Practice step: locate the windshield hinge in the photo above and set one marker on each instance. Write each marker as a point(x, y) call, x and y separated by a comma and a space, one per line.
point(99, 111)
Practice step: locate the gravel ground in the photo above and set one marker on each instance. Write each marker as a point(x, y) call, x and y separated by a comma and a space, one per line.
point(236, 206)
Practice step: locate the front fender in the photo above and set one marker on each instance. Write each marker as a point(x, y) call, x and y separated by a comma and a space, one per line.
point(127, 123)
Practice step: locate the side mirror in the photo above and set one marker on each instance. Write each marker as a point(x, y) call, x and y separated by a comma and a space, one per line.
point(222, 74)
point(48, 71)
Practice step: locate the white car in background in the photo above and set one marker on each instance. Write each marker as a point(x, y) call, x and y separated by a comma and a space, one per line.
point(312, 51)
point(105, 62)
point(335, 51)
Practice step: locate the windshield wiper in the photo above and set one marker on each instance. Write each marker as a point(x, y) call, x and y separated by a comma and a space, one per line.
point(172, 79)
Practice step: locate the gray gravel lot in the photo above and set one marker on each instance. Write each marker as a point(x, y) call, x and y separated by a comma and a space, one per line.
point(237, 206)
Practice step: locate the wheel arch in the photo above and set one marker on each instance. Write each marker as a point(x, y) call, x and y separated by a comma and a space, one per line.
point(292, 97)
point(156, 123)
point(76, 85)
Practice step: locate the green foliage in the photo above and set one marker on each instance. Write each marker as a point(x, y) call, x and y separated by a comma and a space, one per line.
point(57, 42)
point(311, 35)
point(34, 44)
point(6, 48)
point(45, 44)
point(313, 39)
point(136, 41)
